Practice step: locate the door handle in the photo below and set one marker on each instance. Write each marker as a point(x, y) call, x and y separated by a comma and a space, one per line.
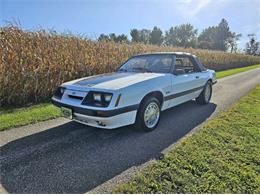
point(197, 77)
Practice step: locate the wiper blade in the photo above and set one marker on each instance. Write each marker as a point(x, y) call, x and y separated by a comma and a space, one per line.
point(122, 70)
point(141, 69)
point(137, 68)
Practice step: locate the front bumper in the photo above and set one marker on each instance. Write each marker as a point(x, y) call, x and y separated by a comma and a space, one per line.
point(107, 119)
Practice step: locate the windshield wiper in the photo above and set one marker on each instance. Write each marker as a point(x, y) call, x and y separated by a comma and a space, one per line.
point(141, 69)
point(122, 70)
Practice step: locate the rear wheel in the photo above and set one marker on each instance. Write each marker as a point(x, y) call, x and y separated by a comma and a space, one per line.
point(148, 115)
point(205, 95)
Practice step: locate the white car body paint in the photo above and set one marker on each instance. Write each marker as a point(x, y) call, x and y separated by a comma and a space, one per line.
point(132, 87)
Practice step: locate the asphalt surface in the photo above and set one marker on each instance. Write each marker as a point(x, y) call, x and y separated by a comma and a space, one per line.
point(60, 156)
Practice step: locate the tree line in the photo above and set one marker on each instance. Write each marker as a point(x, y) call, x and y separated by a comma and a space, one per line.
point(218, 37)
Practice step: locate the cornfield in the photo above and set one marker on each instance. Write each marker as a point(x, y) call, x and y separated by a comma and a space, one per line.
point(33, 64)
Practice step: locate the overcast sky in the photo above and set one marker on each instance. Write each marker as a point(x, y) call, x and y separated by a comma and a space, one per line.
point(92, 17)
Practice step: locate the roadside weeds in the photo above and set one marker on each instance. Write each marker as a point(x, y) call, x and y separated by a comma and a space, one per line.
point(221, 157)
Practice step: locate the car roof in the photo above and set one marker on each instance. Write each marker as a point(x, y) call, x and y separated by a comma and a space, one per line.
point(163, 53)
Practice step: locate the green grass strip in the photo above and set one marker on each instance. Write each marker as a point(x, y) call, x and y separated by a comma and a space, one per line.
point(221, 157)
point(28, 115)
point(225, 73)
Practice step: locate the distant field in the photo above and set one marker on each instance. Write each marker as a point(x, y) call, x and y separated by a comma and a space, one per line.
point(221, 157)
point(33, 64)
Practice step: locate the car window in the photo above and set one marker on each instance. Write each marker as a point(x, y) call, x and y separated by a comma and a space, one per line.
point(161, 65)
point(148, 63)
point(184, 65)
point(135, 63)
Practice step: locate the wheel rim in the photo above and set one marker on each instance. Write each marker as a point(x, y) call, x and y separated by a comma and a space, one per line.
point(151, 115)
point(207, 92)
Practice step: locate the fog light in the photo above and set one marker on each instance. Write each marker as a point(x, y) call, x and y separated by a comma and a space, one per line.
point(101, 123)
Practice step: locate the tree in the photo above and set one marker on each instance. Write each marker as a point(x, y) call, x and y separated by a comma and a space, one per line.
point(206, 39)
point(156, 37)
point(122, 38)
point(113, 37)
point(140, 35)
point(252, 47)
point(145, 36)
point(103, 37)
point(223, 33)
point(181, 36)
point(232, 42)
point(135, 35)
point(216, 37)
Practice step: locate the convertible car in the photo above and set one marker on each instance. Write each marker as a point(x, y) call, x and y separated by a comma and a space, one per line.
point(137, 92)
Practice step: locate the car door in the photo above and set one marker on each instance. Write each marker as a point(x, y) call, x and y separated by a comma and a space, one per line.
point(186, 81)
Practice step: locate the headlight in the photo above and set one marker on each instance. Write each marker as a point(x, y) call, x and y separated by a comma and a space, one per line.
point(108, 97)
point(59, 92)
point(99, 99)
point(62, 90)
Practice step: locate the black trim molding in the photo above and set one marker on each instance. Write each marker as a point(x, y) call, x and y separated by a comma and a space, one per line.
point(98, 113)
point(176, 95)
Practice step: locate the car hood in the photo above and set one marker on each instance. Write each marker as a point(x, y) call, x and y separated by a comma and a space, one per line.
point(112, 81)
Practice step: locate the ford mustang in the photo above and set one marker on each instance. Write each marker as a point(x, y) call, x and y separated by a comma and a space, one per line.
point(137, 92)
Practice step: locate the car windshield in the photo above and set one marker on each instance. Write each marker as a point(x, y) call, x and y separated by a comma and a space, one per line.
point(148, 63)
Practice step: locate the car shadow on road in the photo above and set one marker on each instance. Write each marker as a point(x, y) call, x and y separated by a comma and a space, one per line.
point(73, 158)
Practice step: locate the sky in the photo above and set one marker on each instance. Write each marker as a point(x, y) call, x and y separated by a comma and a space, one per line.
point(93, 17)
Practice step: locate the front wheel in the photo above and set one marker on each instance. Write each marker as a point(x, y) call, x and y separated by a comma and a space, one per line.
point(205, 95)
point(148, 115)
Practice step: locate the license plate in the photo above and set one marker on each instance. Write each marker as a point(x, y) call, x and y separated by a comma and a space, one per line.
point(66, 112)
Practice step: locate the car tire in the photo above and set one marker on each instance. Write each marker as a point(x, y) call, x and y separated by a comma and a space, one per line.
point(205, 95)
point(150, 106)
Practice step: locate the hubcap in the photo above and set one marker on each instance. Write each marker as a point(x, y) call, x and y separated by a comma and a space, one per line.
point(207, 92)
point(151, 115)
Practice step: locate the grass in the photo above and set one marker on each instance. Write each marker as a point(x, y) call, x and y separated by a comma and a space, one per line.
point(23, 116)
point(221, 157)
point(225, 73)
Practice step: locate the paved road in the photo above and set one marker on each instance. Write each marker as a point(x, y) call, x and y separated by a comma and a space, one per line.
point(60, 156)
